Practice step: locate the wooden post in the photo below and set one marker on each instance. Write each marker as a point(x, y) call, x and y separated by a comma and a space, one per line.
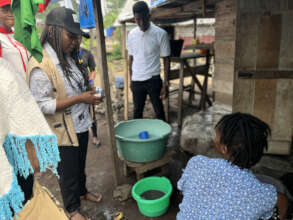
point(203, 8)
point(91, 39)
point(125, 57)
point(191, 94)
point(180, 94)
point(103, 69)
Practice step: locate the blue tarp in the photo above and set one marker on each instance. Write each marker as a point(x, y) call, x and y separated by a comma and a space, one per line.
point(109, 31)
point(156, 2)
point(86, 14)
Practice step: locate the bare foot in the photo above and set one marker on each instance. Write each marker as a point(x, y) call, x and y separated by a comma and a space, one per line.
point(93, 197)
point(96, 141)
point(78, 216)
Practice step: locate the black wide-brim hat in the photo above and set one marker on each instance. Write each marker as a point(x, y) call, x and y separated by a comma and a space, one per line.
point(66, 18)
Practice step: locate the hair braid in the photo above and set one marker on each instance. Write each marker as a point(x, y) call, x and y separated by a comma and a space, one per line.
point(245, 137)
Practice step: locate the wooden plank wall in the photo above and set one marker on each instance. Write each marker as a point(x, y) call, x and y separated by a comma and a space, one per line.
point(264, 39)
point(225, 51)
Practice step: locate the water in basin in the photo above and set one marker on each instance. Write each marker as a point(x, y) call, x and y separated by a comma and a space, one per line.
point(136, 137)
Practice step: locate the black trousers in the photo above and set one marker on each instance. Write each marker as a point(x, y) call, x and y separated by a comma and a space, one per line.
point(26, 185)
point(71, 170)
point(94, 129)
point(94, 124)
point(141, 89)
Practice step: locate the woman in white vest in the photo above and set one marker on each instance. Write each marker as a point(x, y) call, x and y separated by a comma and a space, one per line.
point(13, 52)
point(61, 88)
point(27, 145)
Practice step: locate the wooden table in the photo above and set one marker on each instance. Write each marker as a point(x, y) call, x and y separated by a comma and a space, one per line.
point(186, 70)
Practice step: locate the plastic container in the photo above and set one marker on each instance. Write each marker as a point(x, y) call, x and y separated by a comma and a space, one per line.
point(134, 149)
point(100, 92)
point(144, 135)
point(157, 207)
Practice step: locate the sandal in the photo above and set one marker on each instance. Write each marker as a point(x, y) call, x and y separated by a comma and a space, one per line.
point(97, 198)
point(96, 142)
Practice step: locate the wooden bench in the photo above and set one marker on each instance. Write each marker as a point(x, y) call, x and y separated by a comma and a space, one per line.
point(141, 168)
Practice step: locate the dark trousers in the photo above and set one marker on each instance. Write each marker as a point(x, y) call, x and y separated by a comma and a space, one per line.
point(141, 89)
point(94, 129)
point(26, 185)
point(71, 170)
point(94, 124)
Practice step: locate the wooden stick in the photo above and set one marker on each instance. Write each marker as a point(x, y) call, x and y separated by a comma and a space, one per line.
point(180, 94)
point(103, 68)
point(202, 89)
point(203, 8)
point(125, 57)
point(191, 93)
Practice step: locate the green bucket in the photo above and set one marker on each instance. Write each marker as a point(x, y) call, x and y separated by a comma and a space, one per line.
point(134, 149)
point(157, 207)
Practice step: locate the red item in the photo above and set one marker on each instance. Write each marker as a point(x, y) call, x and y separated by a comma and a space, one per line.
point(17, 45)
point(5, 31)
point(5, 2)
point(42, 7)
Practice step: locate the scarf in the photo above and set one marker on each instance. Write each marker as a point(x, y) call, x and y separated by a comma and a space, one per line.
point(20, 120)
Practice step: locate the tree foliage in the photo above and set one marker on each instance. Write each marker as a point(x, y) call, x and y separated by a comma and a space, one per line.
point(114, 7)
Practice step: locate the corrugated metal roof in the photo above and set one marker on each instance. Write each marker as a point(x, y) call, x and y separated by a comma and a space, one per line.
point(171, 11)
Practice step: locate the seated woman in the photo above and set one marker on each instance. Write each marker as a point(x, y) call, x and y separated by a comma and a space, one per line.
point(27, 145)
point(225, 188)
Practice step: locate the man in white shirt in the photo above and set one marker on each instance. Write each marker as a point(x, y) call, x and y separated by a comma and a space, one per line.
point(146, 44)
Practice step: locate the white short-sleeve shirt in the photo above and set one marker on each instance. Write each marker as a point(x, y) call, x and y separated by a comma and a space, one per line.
point(147, 48)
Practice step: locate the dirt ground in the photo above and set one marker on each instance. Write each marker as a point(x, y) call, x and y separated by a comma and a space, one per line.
point(100, 174)
point(100, 179)
point(99, 169)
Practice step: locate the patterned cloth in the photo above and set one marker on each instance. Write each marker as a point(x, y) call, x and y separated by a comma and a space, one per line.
point(20, 120)
point(217, 190)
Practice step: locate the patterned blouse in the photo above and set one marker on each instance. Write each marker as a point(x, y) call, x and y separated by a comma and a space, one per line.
point(217, 190)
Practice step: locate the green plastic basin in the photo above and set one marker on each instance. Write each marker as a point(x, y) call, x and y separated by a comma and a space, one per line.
point(134, 149)
point(157, 207)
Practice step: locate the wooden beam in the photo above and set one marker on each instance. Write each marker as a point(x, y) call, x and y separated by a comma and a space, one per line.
point(193, 7)
point(203, 2)
point(125, 57)
point(265, 74)
point(103, 69)
point(180, 94)
point(191, 94)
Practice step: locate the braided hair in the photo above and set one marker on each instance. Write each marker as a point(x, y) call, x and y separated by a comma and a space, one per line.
point(245, 137)
point(53, 35)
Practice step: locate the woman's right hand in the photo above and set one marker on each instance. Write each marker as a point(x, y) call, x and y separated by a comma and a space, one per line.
point(90, 98)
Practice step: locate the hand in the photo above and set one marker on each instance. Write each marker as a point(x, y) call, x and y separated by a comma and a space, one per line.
point(163, 93)
point(90, 98)
point(31, 154)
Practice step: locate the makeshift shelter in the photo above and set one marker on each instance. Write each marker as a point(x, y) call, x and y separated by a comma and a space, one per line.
point(253, 69)
point(165, 13)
